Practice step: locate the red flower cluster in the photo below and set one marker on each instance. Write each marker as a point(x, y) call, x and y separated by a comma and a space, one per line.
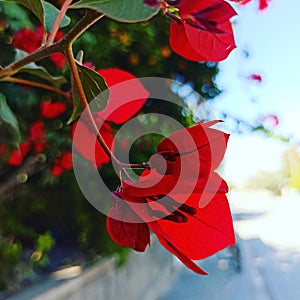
point(203, 31)
point(64, 162)
point(36, 142)
point(30, 40)
point(183, 203)
point(36, 133)
point(120, 108)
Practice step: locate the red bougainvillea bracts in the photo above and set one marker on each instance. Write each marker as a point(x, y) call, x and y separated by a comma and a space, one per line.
point(36, 141)
point(64, 162)
point(203, 31)
point(118, 111)
point(192, 221)
point(263, 4)
point(51, 110)
point(30, 40)
point(17, 155)
point(256, 77)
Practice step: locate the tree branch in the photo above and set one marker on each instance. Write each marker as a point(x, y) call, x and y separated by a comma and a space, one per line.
point(88, 20)
point(29, 167)
point(38, 85)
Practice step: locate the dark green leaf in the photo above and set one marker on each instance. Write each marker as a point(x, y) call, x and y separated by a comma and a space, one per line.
point(94, 87)
point(39, 71)
point(51, 13)
point(35, 6)
point(121, 10)
point(9, 119)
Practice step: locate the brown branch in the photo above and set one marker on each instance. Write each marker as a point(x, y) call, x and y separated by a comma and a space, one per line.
point(38, 85)
point(88, 20)
point(29, 167)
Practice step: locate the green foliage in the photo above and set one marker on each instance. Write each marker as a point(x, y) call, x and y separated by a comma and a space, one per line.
point(120, 10)
point(18, 17)
point(51, 13)
point(94, 86)
point(36, 7)
point(45, 242)
point(43, 10)
point(10, 257)
point(39, 71)
point(9, 119)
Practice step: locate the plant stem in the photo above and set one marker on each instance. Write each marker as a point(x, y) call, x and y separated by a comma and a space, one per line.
point(57, 22)
point(78, 84)
point(38, 84)
point(89, 19)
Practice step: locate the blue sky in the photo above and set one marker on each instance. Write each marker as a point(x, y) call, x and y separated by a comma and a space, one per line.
point(272, 39)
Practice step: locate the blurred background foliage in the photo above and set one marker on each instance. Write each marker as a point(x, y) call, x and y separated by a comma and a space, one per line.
point(45, 222)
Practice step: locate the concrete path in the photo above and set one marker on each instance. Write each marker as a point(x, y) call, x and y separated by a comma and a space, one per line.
point(269, 241)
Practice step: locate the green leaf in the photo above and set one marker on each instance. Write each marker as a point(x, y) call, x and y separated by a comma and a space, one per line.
point(51, 13)
point(9, 119)
point(17, 15)
point(38, 71)
point(94, 86)
point(35, 6)
point(129, 11)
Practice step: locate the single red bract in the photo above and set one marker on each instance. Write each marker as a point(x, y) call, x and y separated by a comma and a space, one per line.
point(127, 95)
point(88, 146)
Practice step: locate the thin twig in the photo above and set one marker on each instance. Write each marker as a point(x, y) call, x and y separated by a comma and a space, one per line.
point(57, 22)
point(39, 85)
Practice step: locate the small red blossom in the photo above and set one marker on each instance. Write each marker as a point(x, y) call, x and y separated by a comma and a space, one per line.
point(204, 31)
point(37, 136)
point(3, 149)
point(270, 121)
point(256, 77)
point(30, 40)
point(17, 155)
point(89, 65)
point(58, 59)
point(64, 162)
point(263, 4)
point(51, 110)
point(57, 170)
point(127, 96)
point(187, 210)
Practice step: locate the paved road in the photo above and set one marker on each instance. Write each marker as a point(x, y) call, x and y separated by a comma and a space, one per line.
point(270, 251)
